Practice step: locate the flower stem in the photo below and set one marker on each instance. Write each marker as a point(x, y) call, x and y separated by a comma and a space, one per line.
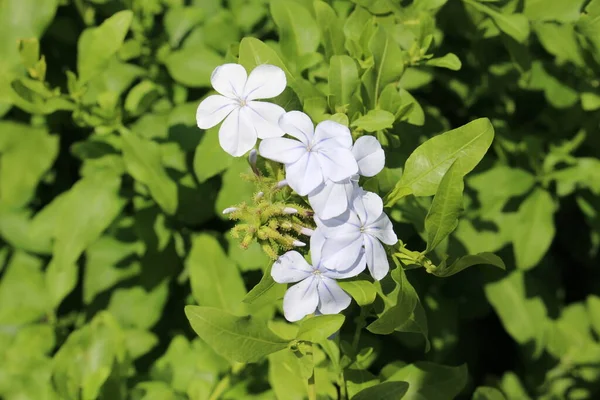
point(225, 382)
point(312, 389)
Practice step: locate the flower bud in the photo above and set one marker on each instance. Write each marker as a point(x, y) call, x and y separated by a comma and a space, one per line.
point(298, 243)
point(290, 210)
point(252, 157)
point(307, 231)
point(230, 210)
point(282, 184)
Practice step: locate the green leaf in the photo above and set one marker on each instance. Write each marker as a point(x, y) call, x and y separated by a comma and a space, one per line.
point(388, 63)
point(22, 290)
point(512, 387)
point(362, 291)
point(141, 97)
point(417, 323)
point(514, 25)
point(402, 104)
point(593, 305)
point(536, 221)
point(178, 21)
point(234, 189)
point(96, 46)
point(285, 376)
point(215, 279)
point(560, 41)
point(91, 361)
point(383, 391)
point(343, 80)
point(524, 317)
point(144, 307)
point(332, 29)
point(399, 306)
point(266, 291)
point(426, 166)
point(442, 218)
point(487, 393)
point(192, 66)
point(450, 61)
point(467, 261)
point(209, 158)
point(317, 329)
point(431, 381)
point(590, 101)
point(241, 339)
point(89, 208)
point(143, 162)
point(375, 120)
point(553, 10)
point(298, 30)
point(26, 154)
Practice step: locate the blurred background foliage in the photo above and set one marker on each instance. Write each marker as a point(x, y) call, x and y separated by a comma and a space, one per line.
point(111, 197)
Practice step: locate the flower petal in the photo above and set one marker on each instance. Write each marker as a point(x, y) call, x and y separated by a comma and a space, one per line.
point(355, 269)
point(367, 205)
point(383, 230)
point(341, 253)
point(317, 240)
point(213, 110)
point(290, 267)
point(331, 199)
point(283, 150)
point(229, 80)
point(304, 175)
point(332, 299)
point(346, 224)
point(332, 134)
point(337, 163)
point(298, 125)
point(236, 135)
point(376, 258)
point(265, 81)
point(301, 299)
point(369, 155)
point(265, 118)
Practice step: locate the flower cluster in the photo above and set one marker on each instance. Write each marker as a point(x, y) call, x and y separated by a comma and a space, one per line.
point(321, 163)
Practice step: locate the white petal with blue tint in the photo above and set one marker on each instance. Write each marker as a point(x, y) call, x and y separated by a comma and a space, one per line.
point(283, 150)
point(332, 299)
point(265, 81)
point(301, 299)
point(369, 155)
point(291, 267)
point(213, 110)
point(229, 80)
point(264, 117)
point(331, 199)
point(331, 133)
point(237, 135)
point(377, 261)
point(304, 175)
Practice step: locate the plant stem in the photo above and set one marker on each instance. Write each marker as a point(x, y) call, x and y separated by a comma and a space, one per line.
point(225, 382)
point(360, 324)
point(312, 389)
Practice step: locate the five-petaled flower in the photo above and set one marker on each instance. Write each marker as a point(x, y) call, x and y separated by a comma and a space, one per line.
point(356, 236)
point(316, 289)
point(317, 153)
point(245, 118)
point(332, 199)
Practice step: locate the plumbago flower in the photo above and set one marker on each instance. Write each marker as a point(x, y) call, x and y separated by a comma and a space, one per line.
point(245, 118)
point(332, 199)
point(316, 288)
point(315, 155)
point(356, 236)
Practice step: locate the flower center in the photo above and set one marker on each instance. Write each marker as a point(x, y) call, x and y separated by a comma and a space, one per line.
point(242, 102)
point(317, 273)
point(363, 229)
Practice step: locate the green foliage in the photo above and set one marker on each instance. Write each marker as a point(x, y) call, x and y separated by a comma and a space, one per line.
point(120, 278)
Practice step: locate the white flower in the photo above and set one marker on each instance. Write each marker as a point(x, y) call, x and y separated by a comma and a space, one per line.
point(332, 199)
point(245, 119)
point(316, 290)
point(360, 229)
point(318, 153)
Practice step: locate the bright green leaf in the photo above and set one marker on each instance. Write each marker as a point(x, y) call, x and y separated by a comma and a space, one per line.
point(446, 207)
point(449, 61)
point(241, 339)
point(487, 393)
point(375, 120)
point(383, 391)
point(317, 329)
point(431, 381)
